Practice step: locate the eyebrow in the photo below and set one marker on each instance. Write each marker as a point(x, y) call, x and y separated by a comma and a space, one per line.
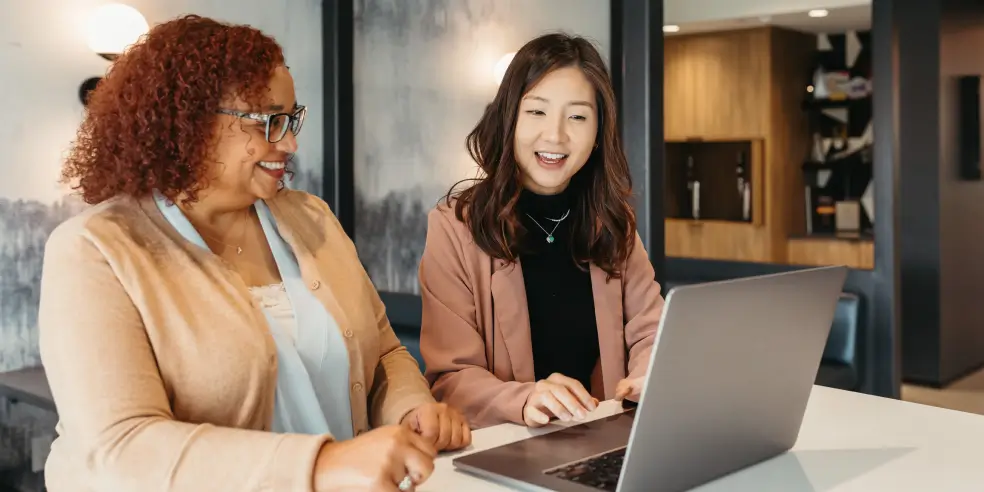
point(276, 108)
point(572, 103)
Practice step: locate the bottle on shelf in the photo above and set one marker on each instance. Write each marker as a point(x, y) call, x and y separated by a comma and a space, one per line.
point(744, 187)
point(693, 185)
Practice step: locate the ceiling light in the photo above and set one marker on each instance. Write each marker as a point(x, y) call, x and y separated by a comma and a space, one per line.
point(818, 13)
point(671, 28)
point(113, 27)
point(501, 66)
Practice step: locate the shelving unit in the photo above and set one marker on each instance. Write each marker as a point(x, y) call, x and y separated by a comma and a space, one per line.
point(839, 171)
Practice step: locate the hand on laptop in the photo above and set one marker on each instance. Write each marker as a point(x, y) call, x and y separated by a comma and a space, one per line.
point(560, 397)
point(441, 425)
point(630, 389)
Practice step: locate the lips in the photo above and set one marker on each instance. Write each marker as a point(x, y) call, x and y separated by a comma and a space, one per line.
point(275, 169)
point(551, 159)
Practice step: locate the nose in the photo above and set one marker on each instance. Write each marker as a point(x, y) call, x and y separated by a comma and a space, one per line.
point(555, 130)
point(287, 144)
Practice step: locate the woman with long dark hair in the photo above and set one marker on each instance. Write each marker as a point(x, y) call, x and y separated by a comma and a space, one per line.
point(538, 296)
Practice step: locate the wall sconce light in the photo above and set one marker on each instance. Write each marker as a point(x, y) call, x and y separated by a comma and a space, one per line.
point(500, 67)
point(110, 29)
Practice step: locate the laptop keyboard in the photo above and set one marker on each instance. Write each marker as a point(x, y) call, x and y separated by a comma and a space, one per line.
point(600, 472)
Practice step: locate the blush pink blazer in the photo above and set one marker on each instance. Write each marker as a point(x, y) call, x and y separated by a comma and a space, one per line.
point(458, 283)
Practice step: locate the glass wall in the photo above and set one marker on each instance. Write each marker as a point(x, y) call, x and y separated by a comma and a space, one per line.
point(424, 70)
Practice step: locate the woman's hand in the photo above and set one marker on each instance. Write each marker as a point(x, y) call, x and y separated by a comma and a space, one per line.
point(377, 460)
point(441, 425)
point(630, 389)
point(557, 396)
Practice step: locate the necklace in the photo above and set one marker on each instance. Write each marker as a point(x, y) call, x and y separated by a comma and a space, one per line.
point(550, 235)
point(242, 235)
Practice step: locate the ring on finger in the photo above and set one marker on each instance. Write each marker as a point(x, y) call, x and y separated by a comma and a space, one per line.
point(406, 485)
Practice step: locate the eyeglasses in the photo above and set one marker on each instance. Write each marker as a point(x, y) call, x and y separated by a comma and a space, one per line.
point(277, 124)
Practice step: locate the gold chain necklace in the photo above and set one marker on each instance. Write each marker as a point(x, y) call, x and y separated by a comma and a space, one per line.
point(242, 236)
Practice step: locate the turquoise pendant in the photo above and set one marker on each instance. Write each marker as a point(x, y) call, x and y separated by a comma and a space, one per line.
point(550, 239)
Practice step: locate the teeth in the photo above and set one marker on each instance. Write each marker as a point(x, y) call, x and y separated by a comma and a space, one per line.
point(273, 166)
point(551, 156)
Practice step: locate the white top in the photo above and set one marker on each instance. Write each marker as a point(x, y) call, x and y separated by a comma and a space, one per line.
point(312, 391)
point(849, 442)
point(275, 302)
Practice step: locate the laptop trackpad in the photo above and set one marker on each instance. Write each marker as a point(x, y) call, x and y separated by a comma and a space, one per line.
point(530, 459)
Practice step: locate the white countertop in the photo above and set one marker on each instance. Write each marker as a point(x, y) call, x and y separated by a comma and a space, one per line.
point(849, 442)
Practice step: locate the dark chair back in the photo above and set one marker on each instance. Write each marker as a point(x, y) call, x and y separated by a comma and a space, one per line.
point(410, 338)
point(839, 367)
point(842, 341)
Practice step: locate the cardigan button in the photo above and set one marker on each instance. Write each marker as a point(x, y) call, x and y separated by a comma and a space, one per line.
point(315, 285)
point(357, 387)
point(349, 334)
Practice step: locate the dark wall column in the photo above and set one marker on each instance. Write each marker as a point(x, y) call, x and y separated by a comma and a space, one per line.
point(882, 352)
point(637, 36)
point(918, 39)
point(338, 181)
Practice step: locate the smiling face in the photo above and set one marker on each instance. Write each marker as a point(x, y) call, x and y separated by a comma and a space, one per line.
point(556, 128)
point(248, 167)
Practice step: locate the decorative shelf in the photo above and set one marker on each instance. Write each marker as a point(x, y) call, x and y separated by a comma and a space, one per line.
point(831, 250)
point(726, 171)
point(837, 236)
point(818, 104)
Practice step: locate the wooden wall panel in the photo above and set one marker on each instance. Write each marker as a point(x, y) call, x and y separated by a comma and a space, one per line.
point(715, 85)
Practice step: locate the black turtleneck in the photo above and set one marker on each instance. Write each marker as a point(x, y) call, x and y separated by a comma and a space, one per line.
point(561, 306)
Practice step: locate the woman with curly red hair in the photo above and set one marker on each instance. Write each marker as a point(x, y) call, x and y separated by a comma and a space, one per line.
point(204, 327)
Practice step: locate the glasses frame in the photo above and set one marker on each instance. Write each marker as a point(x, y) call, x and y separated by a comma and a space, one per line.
point(296, 118)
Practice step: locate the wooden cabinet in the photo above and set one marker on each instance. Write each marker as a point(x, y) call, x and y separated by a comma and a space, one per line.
point(742, 85)
point(718, 240)
point(716, 85)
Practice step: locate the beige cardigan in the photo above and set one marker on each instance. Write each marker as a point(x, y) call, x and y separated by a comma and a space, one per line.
point(457, 284)
point(163, 368)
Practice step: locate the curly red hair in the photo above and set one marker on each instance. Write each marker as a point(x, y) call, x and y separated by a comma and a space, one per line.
point(148, 123)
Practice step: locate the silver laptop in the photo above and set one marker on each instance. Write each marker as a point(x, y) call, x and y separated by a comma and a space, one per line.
point(731, 372)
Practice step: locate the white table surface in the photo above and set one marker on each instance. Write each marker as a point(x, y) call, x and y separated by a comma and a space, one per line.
point(849, 442)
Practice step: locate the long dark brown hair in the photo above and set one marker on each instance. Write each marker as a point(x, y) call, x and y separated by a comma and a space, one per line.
point(603, 228)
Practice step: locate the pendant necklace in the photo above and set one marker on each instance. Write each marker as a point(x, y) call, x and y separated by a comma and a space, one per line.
point(242, 236)
point(550, 234)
